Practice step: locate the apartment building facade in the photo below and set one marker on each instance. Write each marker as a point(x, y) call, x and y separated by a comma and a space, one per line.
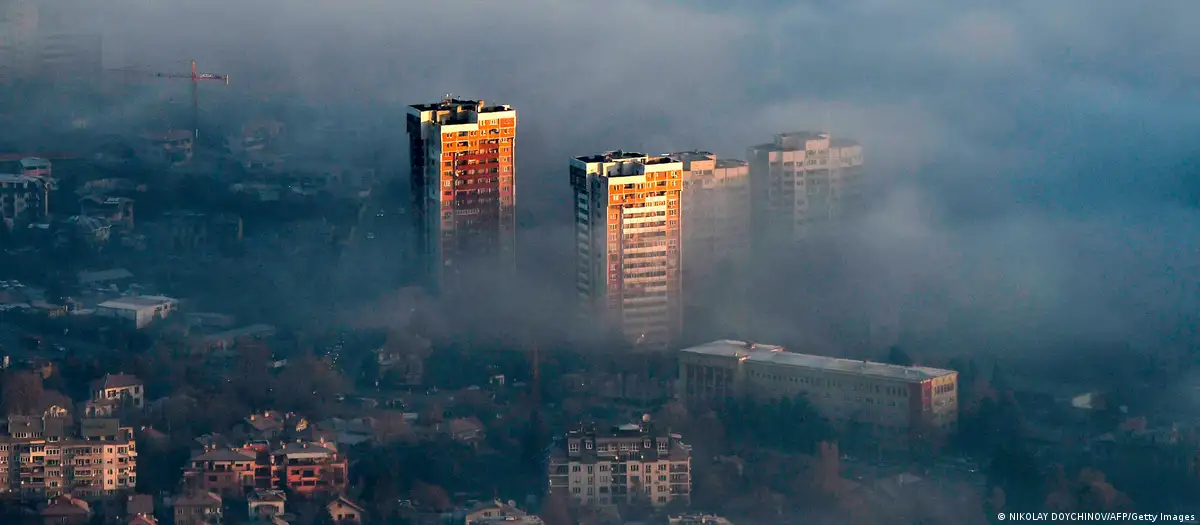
point(49, 456)
point(716, 224)
point(628, 224)
point(894, 402)
point(625, 464)
point(463, 185)
point(303, 467)
point(801, 180)
point(23, 198)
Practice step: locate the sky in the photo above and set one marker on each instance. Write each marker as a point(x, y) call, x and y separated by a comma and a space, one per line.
point(1035, 159)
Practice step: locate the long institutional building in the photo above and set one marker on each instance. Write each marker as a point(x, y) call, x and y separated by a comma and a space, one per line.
point(896, 402)
point(461, 154)
point(628, 243)
point(802, 179)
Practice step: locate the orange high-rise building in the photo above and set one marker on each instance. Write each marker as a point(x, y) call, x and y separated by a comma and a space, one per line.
point(627, 220)
point(461, 154)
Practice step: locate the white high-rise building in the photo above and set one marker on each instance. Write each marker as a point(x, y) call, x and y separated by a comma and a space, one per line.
point(801, 179)
point(628, 236)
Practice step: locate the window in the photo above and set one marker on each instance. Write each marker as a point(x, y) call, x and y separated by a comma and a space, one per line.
point(573, 446)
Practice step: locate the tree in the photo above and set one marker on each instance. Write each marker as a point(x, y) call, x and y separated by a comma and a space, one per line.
point(22, 392)
point(897, 356)
point(555, 510)
point(431, 495)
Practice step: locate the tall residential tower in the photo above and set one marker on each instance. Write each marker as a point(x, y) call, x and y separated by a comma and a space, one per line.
point(461, 154)
point(716, 225)
point(801, 179)
point(628, 236)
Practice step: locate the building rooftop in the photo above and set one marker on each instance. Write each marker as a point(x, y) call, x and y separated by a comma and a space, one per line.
point(730, 163)
point(116, 381)
point(223, 454)
point(32, 163)
point(447, 103)
point(136, 302)
point(13, 178)
point(693, 155)
point(804, 135)
point(611, 156)
point(198, 499)
point(778, 355)
point(263, 495)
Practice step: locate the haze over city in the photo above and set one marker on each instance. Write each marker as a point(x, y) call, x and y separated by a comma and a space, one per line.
point(1029, 206)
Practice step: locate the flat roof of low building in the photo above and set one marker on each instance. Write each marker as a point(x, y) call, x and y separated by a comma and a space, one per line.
point(137, 302)
point(774, 354)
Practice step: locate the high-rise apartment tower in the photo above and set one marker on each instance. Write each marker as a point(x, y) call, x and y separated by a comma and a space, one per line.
point(628, 237)
point(716, 224)
point(464, 191)
point(801, 179)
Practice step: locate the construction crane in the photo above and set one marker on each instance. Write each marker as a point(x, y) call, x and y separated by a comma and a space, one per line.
point(195, 76)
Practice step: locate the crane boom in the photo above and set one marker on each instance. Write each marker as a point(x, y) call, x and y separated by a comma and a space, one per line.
point(195, 76)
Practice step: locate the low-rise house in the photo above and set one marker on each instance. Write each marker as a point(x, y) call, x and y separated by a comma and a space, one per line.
point(308, 468)
point(697, 519)
point(197, 508)
point(268, 424)
point(464, 429)
point(138, 311)
point(345, 512)
point(263, 504)
point(492, 510)
point(136, 504)
point(347, 432)
point(66, 510)
point(221, 470)
point(124, 388)
point(142, 519)
point(304, 467)
point(508, 520)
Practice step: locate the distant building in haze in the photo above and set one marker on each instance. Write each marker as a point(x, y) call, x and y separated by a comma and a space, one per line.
point(464, 191)
point(893, 402)
point(629, 243)
point(801, 179)
point(716, 223)
point(48, 40)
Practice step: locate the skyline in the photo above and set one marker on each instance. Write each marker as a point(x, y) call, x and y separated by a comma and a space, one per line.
point(1011, 196)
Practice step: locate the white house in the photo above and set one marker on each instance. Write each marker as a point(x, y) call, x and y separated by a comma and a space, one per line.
point(139, 311)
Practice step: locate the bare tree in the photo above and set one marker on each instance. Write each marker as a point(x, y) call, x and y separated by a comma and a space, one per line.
point(22, 392)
